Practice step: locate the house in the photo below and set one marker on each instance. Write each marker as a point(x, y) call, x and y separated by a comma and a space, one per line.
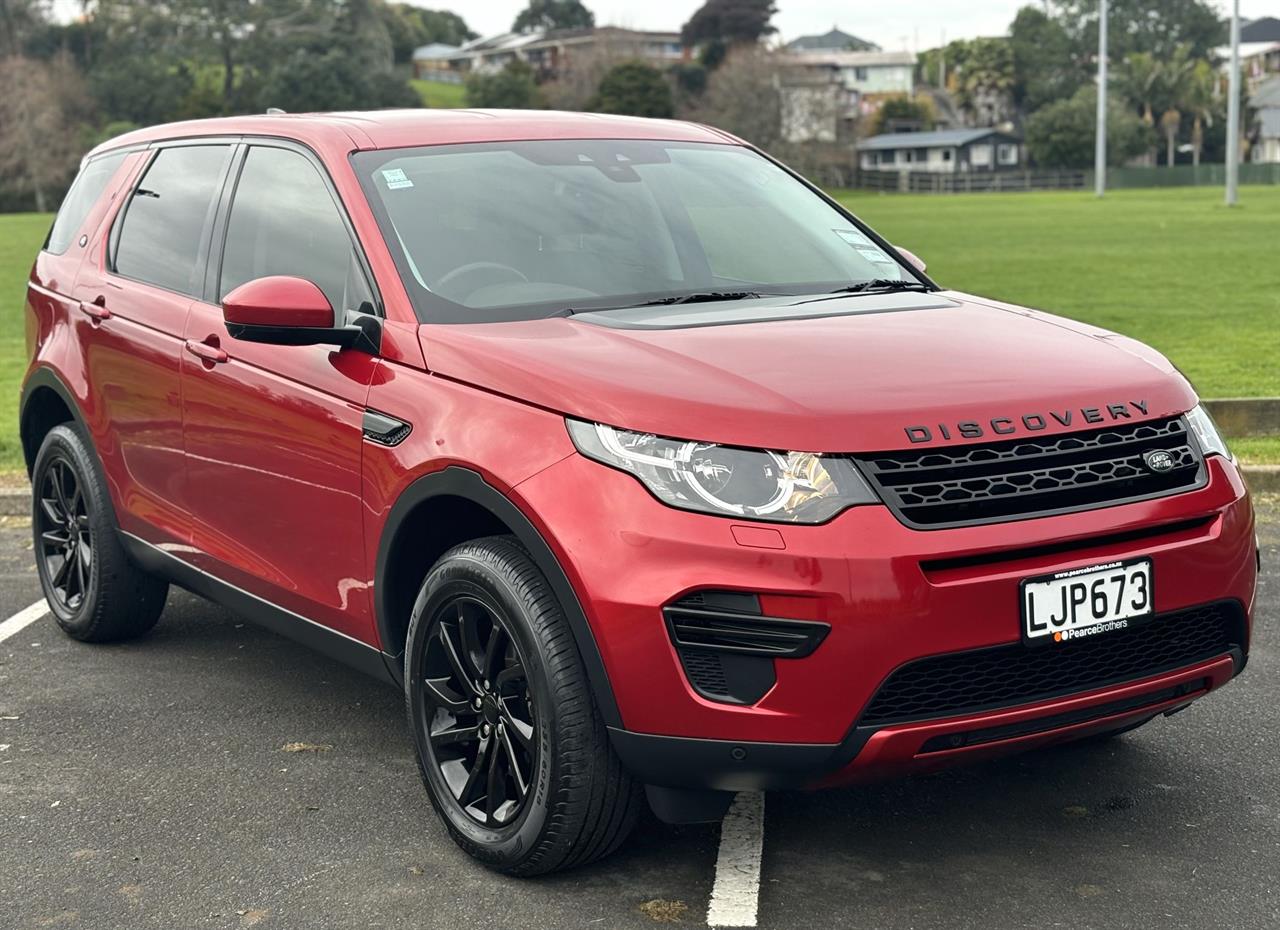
point(833, 41)
point(825, 93)
point(551, 52)
point(951, 151)
point(433, 61)
point(1266, 102)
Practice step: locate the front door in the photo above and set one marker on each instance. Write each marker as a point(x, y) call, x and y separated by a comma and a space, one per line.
point(272, 433)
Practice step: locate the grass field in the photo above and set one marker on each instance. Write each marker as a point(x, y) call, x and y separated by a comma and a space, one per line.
point(1173, 268)
point(440, 96)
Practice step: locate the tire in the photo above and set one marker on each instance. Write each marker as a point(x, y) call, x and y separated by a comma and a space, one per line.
point(95, 593)
point(533, 717)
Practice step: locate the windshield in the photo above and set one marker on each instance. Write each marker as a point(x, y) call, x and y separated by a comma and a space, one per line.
point(520, 230)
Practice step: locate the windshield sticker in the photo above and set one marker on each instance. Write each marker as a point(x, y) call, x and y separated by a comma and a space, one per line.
point(853, 237)
point(396, 179)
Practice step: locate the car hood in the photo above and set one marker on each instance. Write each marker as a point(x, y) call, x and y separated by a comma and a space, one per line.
point(851, 374)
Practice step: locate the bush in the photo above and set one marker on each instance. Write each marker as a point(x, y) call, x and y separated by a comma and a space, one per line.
point(1063, 134)
point(306, 82)
point(636, 89)
point(512, 88)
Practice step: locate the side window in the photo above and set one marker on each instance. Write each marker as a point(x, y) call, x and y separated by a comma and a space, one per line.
point(166, 218)
point(285, 222)
point(84, 193)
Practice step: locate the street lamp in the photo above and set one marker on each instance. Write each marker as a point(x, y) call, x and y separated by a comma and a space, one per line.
point(1100, 152)
point(1233, 110)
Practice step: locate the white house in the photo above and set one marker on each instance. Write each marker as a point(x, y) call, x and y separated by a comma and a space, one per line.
point(824, 92)
point(949, 151)
point(1266, 102)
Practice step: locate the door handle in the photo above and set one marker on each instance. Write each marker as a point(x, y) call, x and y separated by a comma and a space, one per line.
point(206, 352)
point(97, 310)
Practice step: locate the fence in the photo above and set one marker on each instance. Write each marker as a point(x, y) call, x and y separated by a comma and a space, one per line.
point(1117, 178)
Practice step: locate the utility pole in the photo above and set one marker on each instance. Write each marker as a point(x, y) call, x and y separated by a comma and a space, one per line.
point(1100, 152)
point(1233, 111)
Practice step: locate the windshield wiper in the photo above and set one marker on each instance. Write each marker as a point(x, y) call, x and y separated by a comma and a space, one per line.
point(702, 297)
point(881, 284)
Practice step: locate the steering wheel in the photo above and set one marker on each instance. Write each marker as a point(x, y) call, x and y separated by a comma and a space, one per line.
point(486, 274)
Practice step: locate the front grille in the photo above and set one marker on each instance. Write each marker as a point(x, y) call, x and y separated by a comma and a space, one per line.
point(1022, 478)
point(1004, 676)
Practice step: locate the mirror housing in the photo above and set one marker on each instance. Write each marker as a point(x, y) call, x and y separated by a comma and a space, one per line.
point(912, 258)
point(285, 311)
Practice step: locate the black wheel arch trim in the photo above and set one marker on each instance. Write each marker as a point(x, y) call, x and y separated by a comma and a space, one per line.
point(45, 377)
point(456, 481)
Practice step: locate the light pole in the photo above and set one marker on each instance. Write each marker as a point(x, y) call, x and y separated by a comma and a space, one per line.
point(1100, 152)
point(1233, 111)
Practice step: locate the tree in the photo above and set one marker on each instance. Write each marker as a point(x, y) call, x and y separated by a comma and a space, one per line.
point(636, 89)
point(306, 82)
point(744, 97)
point(553, 14)
point(1201, 100)
point(41, 104)
point(1142, 26)
point(1061, 134)
point(411, 27)
point(733, 22)
point(1044, 67)
point(982, 78)
point(19, 21)
point(902, 109)
point(1174, 76)
point(512, 88)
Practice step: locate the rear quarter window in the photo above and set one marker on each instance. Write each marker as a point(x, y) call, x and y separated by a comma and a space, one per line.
point(84, 193)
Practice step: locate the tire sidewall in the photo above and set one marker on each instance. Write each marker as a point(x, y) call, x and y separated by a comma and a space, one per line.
point(65, 443)
point(509, 845)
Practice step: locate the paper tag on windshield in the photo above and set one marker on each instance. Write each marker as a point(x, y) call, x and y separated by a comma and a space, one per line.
point(396, 179)
point(853, 237)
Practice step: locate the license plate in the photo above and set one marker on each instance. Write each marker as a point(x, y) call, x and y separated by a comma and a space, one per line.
point(1086, 602)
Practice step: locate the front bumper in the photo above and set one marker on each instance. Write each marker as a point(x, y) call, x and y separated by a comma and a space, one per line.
point(890, 594)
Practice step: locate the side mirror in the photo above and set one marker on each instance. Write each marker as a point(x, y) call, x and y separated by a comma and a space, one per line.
point(285, 311)
point(912, 258)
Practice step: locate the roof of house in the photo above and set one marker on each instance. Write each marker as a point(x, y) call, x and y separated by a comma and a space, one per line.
point(835, 40)
point(945, 138)
point(434, 50)
point(1265, 29)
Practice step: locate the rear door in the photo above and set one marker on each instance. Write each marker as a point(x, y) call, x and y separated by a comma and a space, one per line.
point(273, 434)
point(134, 305)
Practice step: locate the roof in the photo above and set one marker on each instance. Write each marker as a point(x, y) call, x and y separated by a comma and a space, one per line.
point(834, 40)
point(923, 140)
point(434, 50)
point(1265, 29)
point(376, 129)
point(1247, 50)
point(1267, 96)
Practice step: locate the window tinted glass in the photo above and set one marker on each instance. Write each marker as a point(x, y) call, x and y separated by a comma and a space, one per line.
point(160, 239)
point(525, 229)
point(84, 193)
point(284, 222)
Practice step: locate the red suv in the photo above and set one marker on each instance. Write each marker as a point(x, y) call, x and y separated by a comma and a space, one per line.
point(642, 466)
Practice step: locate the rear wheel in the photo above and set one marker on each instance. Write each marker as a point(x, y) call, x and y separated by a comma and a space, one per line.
point(510, 745)
point(94, 592)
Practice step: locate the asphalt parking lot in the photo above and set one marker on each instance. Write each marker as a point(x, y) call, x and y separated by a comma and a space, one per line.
point(146, 785)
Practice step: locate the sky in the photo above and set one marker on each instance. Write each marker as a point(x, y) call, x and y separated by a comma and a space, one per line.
point(913, 25)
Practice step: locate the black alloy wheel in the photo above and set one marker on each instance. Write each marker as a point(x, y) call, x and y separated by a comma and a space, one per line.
point(478, 713)
point(65, 535)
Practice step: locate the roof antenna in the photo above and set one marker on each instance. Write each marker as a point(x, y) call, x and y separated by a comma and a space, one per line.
point(275, 111)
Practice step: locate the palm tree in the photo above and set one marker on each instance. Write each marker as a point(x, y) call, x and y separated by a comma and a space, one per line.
point(1139, 82)
point(1172, 89)
point(1202, 92)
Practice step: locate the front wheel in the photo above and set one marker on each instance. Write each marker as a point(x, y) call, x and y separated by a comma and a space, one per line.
point(510, 745)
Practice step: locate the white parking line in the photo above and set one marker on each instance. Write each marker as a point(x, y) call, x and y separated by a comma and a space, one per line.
point(23, 619)
point(736, 893)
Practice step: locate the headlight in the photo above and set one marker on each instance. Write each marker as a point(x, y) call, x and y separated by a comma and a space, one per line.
point(1211, 441)
point(783, 487)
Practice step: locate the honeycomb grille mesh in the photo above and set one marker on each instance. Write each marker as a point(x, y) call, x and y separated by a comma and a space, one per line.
point(1023, 478)
point(1004, 676)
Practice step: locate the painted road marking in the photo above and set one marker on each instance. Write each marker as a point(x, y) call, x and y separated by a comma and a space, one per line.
point(736, 893)
point(23, 619)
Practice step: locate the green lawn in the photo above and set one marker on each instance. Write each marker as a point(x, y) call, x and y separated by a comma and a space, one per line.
point(440, 96)
point(1170, 267)
point(1173, 267)
point(21, 235)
